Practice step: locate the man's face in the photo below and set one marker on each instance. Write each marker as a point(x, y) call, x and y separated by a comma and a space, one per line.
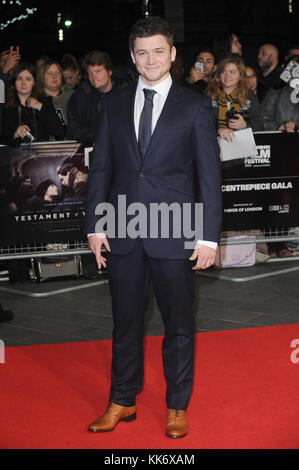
point(64, 179)
point(265, 57)
point(99, 77)
point(208, 61)
point(152, 57)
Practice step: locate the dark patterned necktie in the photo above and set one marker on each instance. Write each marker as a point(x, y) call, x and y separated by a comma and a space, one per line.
point(145, 123)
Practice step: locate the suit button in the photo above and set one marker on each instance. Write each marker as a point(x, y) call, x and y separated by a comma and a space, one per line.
point(141, 174)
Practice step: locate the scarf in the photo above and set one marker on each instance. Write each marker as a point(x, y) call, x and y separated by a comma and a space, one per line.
point(225, 103)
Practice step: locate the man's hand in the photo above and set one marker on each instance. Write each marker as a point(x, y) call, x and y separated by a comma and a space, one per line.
point(12, 59)
point(195, 75)
point(95, 243)
point(288, 126)
point(205, 257)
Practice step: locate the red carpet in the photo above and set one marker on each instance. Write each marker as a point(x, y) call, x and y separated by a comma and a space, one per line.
point(246, 395)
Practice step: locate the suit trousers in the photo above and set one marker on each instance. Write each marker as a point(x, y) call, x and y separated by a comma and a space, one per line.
point(173, 283)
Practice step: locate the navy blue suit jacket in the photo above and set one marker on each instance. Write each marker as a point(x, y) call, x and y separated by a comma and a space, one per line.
point(184, 138)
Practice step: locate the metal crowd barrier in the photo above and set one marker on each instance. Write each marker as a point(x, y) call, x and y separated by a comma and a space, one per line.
point(262, 236)
point(43, 250)
point(40, 250)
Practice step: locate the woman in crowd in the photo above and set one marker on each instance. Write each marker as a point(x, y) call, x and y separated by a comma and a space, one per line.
point(235, 105)
point(51, 80)
point(71, 71)
point(225, 45)
point(27, 115)
point(253, 82)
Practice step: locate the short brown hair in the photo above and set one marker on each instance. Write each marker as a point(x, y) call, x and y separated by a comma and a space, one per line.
point(98, 58)
point(151, 26)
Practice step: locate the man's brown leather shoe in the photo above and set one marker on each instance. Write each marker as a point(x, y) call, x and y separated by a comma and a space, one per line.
point(176, 425)
point(113, 415)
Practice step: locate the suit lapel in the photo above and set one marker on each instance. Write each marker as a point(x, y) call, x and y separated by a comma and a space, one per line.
point(130, 120)
point(169, 110)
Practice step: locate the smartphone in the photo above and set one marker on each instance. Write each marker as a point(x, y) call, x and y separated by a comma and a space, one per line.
point(199, 66)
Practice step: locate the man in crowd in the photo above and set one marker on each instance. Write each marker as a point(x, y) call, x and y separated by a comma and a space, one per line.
point(84, 107)
point(268, 60)
point(292, 51)
point(202, 72)
point(150, 137)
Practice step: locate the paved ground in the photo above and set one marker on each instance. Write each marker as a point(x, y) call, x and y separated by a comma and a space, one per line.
point(85, 314)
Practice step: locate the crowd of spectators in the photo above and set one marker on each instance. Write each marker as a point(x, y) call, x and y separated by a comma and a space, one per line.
point(62, 99)
point(57, 100)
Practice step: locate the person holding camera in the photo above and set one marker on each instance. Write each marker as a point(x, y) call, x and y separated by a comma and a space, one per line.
point(236, 106)
point(27, 116)
point(202, 71)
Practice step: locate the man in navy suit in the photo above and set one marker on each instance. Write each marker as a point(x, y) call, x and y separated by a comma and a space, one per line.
point(151, 167)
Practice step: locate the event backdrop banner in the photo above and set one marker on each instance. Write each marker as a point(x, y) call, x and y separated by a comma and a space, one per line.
point(43, 189)
point(42, 192)
point(262, 192)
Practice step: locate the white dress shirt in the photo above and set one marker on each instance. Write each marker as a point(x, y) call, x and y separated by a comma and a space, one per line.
point(162, 90)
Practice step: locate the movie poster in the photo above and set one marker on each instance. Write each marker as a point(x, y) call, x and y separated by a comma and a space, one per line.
point(42, 192)
point(262, 192)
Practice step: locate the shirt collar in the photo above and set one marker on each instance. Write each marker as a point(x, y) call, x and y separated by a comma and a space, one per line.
point(161, 88)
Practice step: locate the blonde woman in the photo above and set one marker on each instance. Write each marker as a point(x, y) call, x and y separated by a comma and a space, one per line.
point(51, 81)
point(236, 106)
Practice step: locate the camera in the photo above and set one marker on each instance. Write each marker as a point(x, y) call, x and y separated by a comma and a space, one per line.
point(28, 138)
point(231, 114)
point(199, 66)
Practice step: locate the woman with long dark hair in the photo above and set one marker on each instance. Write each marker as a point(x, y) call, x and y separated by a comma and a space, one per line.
point(226, 44)
point(27, 116)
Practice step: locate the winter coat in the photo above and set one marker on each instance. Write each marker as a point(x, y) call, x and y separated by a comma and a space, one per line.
point(280, 107)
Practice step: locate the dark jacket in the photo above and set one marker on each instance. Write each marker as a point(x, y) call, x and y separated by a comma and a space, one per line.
point(42, 124)
point(84, 111)
point(251, 112)
point(200, 86)
point(272, 80)
point(165, 173)
point(278, 108)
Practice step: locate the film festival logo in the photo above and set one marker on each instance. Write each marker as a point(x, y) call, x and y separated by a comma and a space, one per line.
point(159, 220)
point(2, 352)
point(262, 158)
